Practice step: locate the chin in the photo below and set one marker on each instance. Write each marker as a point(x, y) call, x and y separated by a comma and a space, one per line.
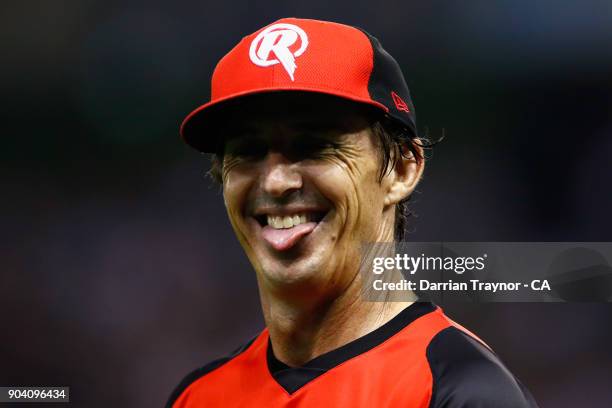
point(295, 273)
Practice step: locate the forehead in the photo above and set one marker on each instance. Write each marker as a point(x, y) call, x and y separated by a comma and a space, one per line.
point(297, 111)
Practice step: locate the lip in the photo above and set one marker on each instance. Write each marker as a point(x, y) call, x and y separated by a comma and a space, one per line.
point(284, 211)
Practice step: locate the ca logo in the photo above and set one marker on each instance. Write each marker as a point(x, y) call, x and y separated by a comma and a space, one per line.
point(271, 46)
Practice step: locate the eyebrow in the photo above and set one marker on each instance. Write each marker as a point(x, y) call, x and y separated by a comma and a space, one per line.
point(316, 123)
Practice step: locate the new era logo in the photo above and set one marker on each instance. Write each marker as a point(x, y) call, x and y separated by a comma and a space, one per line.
point(399, 102)
point(274, 45)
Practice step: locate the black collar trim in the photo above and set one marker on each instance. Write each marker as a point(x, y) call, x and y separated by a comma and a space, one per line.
point(294, 378)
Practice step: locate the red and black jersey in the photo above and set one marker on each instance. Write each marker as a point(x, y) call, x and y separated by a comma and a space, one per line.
point(420, 358)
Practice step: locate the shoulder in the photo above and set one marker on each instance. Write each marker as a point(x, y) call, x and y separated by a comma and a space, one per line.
point(198, 373)
point(466, 373)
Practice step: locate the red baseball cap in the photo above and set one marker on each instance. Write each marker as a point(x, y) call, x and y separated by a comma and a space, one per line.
point(294, 54)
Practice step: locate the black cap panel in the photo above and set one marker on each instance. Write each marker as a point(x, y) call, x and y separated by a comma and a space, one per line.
point(388, 86)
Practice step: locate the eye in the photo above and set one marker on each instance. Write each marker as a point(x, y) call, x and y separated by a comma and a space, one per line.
point(249, 148)
point(312, 146)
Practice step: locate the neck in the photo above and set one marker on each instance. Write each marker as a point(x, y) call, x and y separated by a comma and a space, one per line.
point(301, 332)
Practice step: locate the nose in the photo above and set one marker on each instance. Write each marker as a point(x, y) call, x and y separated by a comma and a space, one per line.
point(280, 175)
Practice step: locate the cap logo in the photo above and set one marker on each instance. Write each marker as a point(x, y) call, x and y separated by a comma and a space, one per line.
point(273, 46)
point(399, 102)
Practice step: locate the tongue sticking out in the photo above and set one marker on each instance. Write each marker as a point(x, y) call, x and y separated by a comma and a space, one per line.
point(285, 238)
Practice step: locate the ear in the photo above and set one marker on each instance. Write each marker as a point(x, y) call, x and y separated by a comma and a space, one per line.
point(404, 178)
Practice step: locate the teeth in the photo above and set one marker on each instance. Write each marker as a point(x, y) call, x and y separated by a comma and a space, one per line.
point(289, 221)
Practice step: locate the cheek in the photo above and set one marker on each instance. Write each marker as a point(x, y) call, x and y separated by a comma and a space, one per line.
point(236, 185)
point(353, 188)
point(335, 184)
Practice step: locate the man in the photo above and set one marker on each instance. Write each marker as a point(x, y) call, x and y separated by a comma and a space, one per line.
point(314, 140)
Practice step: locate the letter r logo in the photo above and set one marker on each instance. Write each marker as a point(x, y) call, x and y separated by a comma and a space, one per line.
point(272, 46)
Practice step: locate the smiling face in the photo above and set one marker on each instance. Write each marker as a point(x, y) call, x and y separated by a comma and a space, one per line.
point(303, 192)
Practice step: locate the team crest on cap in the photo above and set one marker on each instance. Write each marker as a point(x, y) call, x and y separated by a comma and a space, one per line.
point(274, 46)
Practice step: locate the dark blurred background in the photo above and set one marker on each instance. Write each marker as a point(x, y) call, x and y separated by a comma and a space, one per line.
point(119, 271)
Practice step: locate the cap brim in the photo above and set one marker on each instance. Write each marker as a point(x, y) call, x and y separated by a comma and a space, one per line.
point(198, 128)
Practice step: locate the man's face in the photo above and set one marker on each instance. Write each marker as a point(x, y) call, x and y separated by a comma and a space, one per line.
point(302, 192)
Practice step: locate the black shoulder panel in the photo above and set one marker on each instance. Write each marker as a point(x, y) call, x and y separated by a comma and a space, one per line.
point(202, 371)
point(468, 374)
